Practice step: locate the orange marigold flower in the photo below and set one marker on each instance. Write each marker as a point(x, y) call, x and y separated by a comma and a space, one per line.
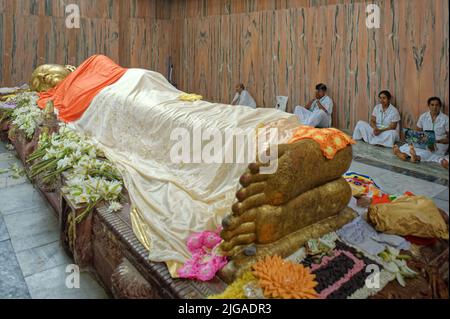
point(284, 279)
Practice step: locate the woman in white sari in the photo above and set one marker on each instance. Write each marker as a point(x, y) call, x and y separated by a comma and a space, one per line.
point(433, 120)
point(383, 128)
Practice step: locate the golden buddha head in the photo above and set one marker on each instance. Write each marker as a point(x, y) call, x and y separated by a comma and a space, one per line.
point(48, 76)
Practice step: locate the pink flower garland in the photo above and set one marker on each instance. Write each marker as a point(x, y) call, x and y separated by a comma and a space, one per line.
point(205, 263)
point(358, 266)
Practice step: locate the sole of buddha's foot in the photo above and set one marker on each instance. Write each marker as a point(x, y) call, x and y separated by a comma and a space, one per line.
point(399, 154)
point(287, 245)
point(297, 172)
point(267, 224)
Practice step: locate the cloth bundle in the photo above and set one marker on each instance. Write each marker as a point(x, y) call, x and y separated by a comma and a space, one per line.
point(409, 215)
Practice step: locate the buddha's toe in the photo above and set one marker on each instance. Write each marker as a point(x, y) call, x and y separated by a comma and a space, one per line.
point(256, 167)
point(243, 229)
point(251, 190)
point(238, 241)
point(248, 178)
point(250, 202)
point(230, 222)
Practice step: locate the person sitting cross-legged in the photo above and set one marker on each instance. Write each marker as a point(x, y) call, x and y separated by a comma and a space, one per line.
point(433, 120)
point(383, 129)
point(317, 113)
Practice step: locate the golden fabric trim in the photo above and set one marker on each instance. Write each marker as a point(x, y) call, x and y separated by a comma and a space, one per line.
point(140, 228)
point(173, 267)
point(190, 97)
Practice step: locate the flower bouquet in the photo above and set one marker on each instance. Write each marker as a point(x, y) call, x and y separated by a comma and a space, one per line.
point(24, 113)
point(90, 178)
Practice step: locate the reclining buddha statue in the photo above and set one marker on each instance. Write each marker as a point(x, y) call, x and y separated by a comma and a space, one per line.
point(143, 124)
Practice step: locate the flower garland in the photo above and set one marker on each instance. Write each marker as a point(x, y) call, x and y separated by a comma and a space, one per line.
point(90, 178)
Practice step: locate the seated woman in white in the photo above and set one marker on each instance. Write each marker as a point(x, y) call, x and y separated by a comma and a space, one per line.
point(433, 120)
point(383, 128)
point(317, 112)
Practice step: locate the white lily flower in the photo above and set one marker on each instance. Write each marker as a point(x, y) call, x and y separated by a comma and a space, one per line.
point(114, 207)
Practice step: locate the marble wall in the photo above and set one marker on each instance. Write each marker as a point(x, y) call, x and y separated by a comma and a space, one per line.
point(288, 51)
point(276, 47)
point(33, 32)
point(202, 8)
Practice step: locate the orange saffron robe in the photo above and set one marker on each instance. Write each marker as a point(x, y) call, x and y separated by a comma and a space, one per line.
point(74, 94)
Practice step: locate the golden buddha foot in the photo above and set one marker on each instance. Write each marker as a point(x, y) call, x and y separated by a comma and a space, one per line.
point(267, 224)
point(301, 167)
point(285, 246)
point(48, 76)
point(276, 213)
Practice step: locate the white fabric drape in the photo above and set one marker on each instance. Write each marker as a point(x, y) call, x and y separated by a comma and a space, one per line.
point(132, 121)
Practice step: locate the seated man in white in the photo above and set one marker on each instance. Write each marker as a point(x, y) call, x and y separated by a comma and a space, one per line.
point(242, 97)
point(384, 124)
point(317, 112)
point(433, 120)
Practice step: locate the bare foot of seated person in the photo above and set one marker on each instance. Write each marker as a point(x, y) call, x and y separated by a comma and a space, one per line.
point(306, 188)
point(444, 163)
point(414, 157)
point(399, 154)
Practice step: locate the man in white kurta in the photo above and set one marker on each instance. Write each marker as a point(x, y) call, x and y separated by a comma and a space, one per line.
point(317, 112)
point(433, 120)
point(383, 128)
point(243, 98)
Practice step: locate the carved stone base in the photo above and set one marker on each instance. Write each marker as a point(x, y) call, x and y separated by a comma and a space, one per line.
point(128, 283)
point(22, 145)
point(4, 127)
point(76, 238)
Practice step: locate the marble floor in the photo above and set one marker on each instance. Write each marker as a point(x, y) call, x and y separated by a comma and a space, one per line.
point(383, 157)
point(34, 265)
point(397, 177)
point(32, 262)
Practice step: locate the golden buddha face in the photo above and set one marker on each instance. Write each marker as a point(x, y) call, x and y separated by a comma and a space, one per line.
point(48, 76)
